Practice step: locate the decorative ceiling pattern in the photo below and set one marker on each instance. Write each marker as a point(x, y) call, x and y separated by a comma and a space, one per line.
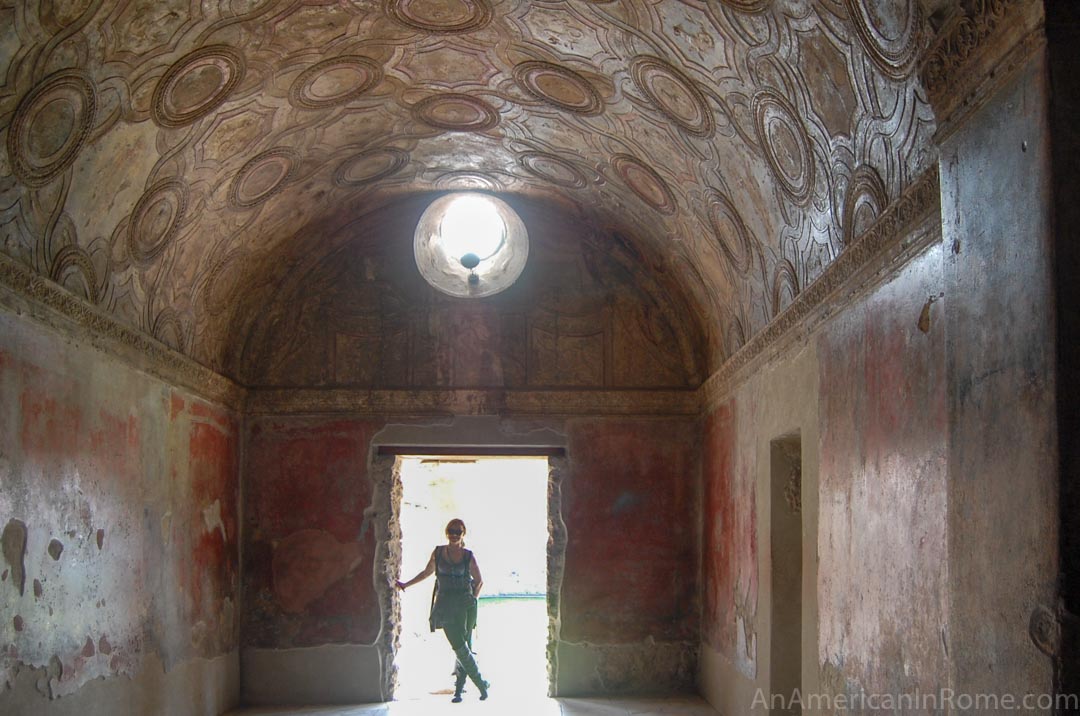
point(177, 163)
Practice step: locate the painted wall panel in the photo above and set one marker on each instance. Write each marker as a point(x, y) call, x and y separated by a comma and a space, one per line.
point(628, 502)
point(309, 547)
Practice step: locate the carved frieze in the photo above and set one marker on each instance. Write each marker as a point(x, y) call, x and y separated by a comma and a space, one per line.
point(979, 45)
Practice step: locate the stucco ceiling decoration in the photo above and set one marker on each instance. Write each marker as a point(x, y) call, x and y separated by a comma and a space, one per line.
point(558, 86)
point(263, 176)
point(456, 112)
point(370, 166)
point(645, 182)
point(156, 220)
point(441, 17)
point(177, 163)
point(334, 82)
point(51, 126)
point(674, 94)
point(556, 170)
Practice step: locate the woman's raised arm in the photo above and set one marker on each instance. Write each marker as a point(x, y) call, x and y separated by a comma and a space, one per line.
point(427, 572)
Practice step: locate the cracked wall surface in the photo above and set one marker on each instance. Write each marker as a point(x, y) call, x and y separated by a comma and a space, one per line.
point(120, 545)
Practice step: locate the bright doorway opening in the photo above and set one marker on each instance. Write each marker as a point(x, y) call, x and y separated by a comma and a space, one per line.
point(504, 503)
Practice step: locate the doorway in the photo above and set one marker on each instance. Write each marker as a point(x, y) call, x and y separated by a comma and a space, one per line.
point(503, 501)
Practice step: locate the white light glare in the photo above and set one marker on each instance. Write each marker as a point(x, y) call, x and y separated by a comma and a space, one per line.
point(471, 225)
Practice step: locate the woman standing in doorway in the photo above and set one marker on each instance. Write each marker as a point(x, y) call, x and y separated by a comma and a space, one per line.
point(453, 605)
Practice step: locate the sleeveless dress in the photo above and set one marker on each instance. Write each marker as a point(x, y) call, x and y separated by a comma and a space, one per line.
point(452, 601)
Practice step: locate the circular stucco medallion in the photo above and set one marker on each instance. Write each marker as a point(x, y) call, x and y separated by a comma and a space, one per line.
point(674, 94)
point(441, 16)
point(645, 182)
point(334, 82)
point(156, 219)
point(889, 31)
point(456, 112)
point(785, 144)
point(730, 231)
point(370, 166)
point(495, 246)
point(263, 176)
point(559, 86)
point(196, 85)
point(554, 169)
point(51, 125)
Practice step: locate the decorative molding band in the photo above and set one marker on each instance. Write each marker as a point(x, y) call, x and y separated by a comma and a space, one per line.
point(907, 225)
point(286, 401)
point(980, 45)
point(22, 291)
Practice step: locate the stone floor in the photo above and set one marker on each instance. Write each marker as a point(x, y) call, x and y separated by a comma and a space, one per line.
point(504, 704)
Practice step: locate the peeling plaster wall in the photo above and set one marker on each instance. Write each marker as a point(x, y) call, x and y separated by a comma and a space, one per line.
point(120, 573)
point(315, 515)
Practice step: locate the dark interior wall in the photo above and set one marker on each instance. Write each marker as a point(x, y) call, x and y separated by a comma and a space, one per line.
point(1001, 377)
point(585, 312)
point(1062, 29)
point(120, 574)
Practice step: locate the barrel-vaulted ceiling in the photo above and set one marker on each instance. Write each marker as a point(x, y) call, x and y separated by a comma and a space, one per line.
point(178, 162)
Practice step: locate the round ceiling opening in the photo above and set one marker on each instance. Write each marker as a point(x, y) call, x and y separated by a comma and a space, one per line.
point(470, 245)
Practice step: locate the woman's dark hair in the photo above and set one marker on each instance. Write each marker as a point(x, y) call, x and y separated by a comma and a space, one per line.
point(460, 524)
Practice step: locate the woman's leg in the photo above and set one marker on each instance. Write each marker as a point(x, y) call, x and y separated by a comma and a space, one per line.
point(457, 634)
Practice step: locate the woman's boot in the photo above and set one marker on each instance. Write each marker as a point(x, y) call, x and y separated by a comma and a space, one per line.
point(465, 658)
point(459, 682)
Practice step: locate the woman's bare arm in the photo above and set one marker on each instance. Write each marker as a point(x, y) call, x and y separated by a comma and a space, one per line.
point(427, 572)
point(477, 580)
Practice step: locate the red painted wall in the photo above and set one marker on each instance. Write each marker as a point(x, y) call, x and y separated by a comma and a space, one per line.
point(730, 571)
point(309, 548)
point(629, 505)
point(118, 512)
